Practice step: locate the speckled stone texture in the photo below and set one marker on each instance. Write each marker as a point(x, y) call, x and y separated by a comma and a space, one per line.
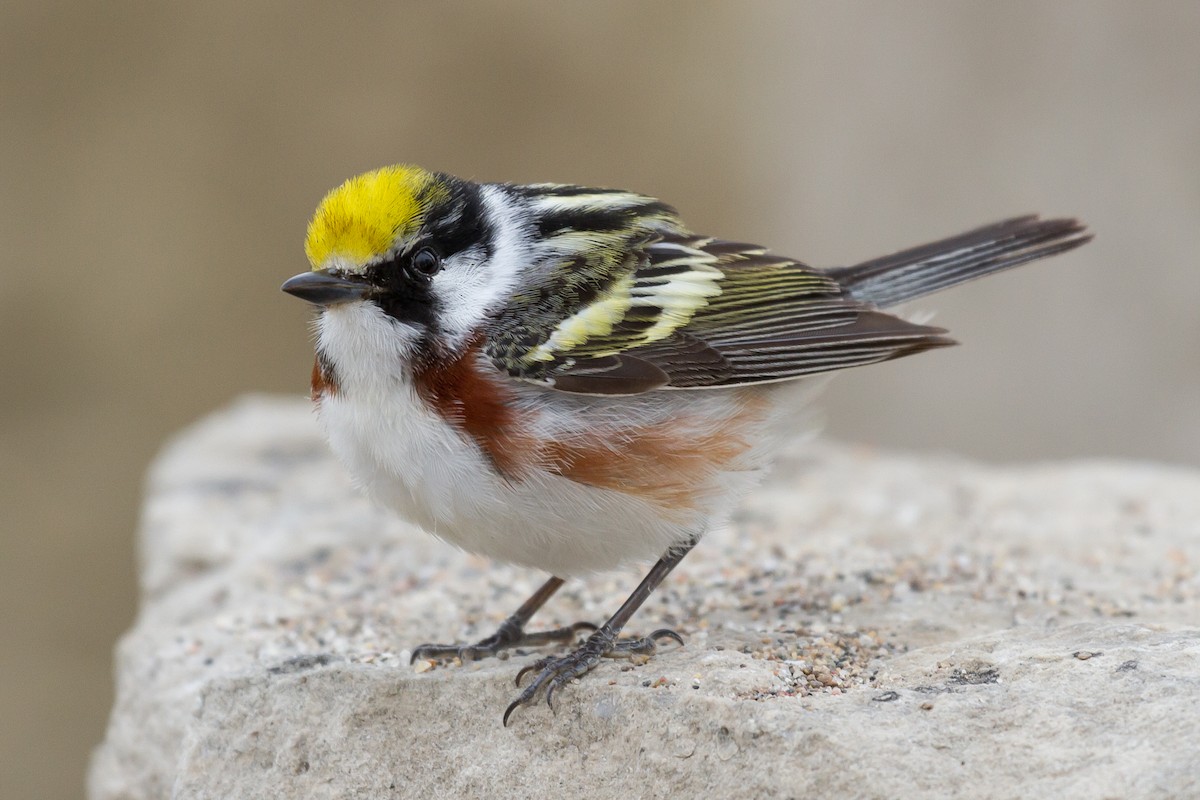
point(870, 625)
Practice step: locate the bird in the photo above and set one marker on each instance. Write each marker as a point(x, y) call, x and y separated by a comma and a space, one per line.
point(569, 379)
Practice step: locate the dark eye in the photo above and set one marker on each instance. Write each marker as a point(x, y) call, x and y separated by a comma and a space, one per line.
point(426, 262)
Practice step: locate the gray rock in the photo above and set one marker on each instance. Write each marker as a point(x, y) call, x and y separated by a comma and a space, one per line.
point(869, 626)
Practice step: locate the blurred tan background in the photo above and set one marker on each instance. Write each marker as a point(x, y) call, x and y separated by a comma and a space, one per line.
point(159, 163)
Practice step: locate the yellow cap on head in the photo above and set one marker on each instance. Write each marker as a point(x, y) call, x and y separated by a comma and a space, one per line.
point(364, 217)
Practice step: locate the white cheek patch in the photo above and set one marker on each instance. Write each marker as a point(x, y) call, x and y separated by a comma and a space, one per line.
point(464, 290)
point(470, 286)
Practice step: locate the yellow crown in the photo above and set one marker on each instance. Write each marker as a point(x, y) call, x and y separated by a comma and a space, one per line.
point(363, 218)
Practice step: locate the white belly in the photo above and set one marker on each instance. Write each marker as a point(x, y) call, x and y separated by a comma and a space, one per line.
point(409, 459)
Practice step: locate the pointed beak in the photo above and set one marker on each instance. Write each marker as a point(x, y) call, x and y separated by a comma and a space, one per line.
point(323, 288)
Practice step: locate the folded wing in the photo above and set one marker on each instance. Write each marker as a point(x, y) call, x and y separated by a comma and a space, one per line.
point(693, 312)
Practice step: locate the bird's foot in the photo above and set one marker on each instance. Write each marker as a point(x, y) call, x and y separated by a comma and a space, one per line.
point(554, 671)
point(509, 635)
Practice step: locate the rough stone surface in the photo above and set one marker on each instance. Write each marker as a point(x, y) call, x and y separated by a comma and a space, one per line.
point(869, 626)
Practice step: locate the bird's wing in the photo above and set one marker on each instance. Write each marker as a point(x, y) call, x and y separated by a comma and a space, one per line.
point(691, 312)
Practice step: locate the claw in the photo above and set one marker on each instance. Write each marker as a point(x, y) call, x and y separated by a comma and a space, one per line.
point(666, 633)
point(529, 668)
point(526, 696)
point(555, 672)
point(511, 708)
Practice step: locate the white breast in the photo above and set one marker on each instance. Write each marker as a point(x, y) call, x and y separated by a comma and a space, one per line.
point(410, 459)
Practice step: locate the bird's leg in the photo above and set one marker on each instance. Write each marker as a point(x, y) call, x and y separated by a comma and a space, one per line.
point(554, 671)
point(510, 634)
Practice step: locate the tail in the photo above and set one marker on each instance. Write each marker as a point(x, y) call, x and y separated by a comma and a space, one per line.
point(902, 276)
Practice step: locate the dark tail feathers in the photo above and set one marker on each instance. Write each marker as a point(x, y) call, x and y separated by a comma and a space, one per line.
point(902, 276)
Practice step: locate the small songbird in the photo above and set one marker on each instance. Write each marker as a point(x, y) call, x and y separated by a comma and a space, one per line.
point(567, 378)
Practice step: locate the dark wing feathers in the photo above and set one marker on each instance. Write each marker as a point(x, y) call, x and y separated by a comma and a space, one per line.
point(865, 337)
point(697, 312)
point(901, 276)
point(617, 374)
